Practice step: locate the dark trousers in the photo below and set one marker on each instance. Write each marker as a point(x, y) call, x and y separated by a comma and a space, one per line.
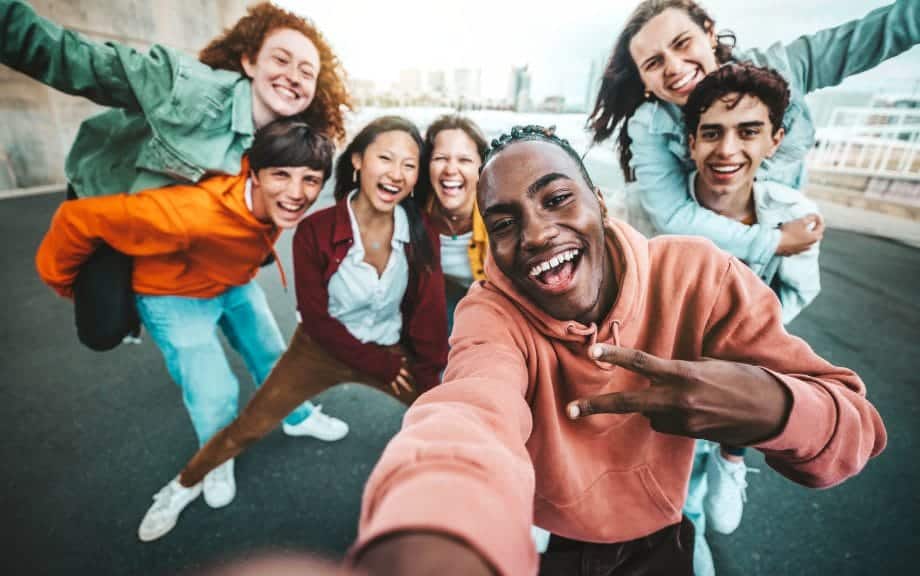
point(303, 371)
point(103, 298)
point(668, 552)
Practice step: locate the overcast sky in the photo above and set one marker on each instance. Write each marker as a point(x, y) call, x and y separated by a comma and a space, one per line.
point(376, 39)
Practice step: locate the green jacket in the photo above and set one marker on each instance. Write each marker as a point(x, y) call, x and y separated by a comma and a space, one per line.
point(173, 119)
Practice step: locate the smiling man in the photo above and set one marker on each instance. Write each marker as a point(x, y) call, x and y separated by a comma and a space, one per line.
point(197, 250)
point(579, 375)
point(734, 121)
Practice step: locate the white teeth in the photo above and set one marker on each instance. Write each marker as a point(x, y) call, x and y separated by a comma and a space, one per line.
point(726, 169)
point(286, 91)
point(291, 207)
point(451, 183)
point(566, 256)
point(391, 189)
point(683, 81)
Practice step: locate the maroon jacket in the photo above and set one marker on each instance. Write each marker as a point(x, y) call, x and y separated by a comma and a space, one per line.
point(321, 242)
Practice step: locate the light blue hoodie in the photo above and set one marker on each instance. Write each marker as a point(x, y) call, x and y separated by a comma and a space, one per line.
point(661, 159)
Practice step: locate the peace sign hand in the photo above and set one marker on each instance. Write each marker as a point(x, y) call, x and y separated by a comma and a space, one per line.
point(727, 402)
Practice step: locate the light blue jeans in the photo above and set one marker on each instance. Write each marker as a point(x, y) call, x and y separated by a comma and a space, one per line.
point(185, 329)
point(693, 509)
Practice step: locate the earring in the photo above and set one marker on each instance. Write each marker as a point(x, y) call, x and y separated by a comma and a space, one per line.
point(354, 175)
point(648, 95)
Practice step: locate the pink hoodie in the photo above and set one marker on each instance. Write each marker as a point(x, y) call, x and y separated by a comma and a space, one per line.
point(490, 450)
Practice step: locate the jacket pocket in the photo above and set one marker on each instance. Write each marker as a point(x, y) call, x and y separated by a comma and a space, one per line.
point(157, 157)
point(617, 505)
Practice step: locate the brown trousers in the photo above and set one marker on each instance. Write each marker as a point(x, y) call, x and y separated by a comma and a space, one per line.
point(302, 372)
point(668, 552)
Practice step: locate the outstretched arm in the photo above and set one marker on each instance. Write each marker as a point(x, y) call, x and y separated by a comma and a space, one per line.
point(459, 469)
point(827, 57)
point(109, 74)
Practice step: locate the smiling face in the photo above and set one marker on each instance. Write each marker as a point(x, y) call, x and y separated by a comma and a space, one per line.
point(388, 169)
point(546, 232)
point(282, 195)
point(283, 75)
point(732, 140)
point(673, 54)
point(454, 170)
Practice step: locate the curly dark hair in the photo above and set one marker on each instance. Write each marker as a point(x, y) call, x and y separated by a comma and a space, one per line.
point(744, 79)
point(622, 91)
point(326, 112)
point(424, 189)
point(536, 132)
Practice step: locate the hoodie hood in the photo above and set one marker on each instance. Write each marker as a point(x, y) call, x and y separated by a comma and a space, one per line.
point(628, 252)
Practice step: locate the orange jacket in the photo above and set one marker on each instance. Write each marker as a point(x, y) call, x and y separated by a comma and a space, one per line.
point(196, 240)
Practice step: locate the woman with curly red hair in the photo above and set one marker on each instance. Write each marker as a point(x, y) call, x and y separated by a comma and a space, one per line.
point(173, 120)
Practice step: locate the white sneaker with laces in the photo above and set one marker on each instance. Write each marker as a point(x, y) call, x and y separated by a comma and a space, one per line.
point(318, 425)
point(168, 503)
point(220, 485)
point(726, 495)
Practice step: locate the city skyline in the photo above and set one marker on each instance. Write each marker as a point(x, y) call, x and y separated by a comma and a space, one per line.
point(564, 51)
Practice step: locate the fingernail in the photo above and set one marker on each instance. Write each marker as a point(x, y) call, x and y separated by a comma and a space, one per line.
point(573, 411)
point(596, 351)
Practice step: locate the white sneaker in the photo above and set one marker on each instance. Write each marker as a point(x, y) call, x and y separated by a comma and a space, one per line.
point(168, 503)
point(319, 426)
point(726, 495)
point(220, 486)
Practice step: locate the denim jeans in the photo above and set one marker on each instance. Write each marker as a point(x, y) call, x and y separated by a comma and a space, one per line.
point(693, 508)
point(185, 329)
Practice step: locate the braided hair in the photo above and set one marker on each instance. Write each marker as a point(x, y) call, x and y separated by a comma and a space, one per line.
point(535, 132)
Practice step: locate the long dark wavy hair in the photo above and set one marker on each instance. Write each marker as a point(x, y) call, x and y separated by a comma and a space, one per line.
point(622, 91)
point(424, 189)
point(422, 252)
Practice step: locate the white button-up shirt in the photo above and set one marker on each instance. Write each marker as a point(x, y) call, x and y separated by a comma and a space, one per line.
point(367, 304)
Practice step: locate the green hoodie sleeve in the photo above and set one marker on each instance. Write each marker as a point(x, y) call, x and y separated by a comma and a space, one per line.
point(108, 73)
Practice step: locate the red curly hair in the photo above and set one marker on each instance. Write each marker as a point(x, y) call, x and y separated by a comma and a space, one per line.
point(326, 112)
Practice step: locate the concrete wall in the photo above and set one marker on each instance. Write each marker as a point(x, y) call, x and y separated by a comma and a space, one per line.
point(38, 124)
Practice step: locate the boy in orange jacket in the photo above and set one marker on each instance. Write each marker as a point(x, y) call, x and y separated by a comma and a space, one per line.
point(197, 249)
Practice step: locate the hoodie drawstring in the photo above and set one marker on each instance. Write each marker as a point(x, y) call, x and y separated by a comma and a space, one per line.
point(271, 246)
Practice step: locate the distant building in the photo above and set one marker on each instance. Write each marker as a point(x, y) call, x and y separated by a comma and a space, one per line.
point(437, 83)
point(362, 91)
point(467, 85)
point(554, 104)
point(519, 92)
point(595, 75)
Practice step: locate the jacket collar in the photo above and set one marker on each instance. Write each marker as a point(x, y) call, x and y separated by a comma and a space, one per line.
point(665, 118)
point(241, 119)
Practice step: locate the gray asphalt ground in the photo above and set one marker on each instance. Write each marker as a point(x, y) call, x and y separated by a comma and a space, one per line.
point(88, 438)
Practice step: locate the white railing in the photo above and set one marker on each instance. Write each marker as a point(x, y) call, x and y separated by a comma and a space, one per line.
point(872, 142)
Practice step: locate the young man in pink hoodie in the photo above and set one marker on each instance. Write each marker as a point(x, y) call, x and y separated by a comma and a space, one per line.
point(579, 376)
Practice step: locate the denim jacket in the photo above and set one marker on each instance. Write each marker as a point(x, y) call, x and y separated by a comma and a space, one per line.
point(173, 119)
point(661, 160)
point(795, 279)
